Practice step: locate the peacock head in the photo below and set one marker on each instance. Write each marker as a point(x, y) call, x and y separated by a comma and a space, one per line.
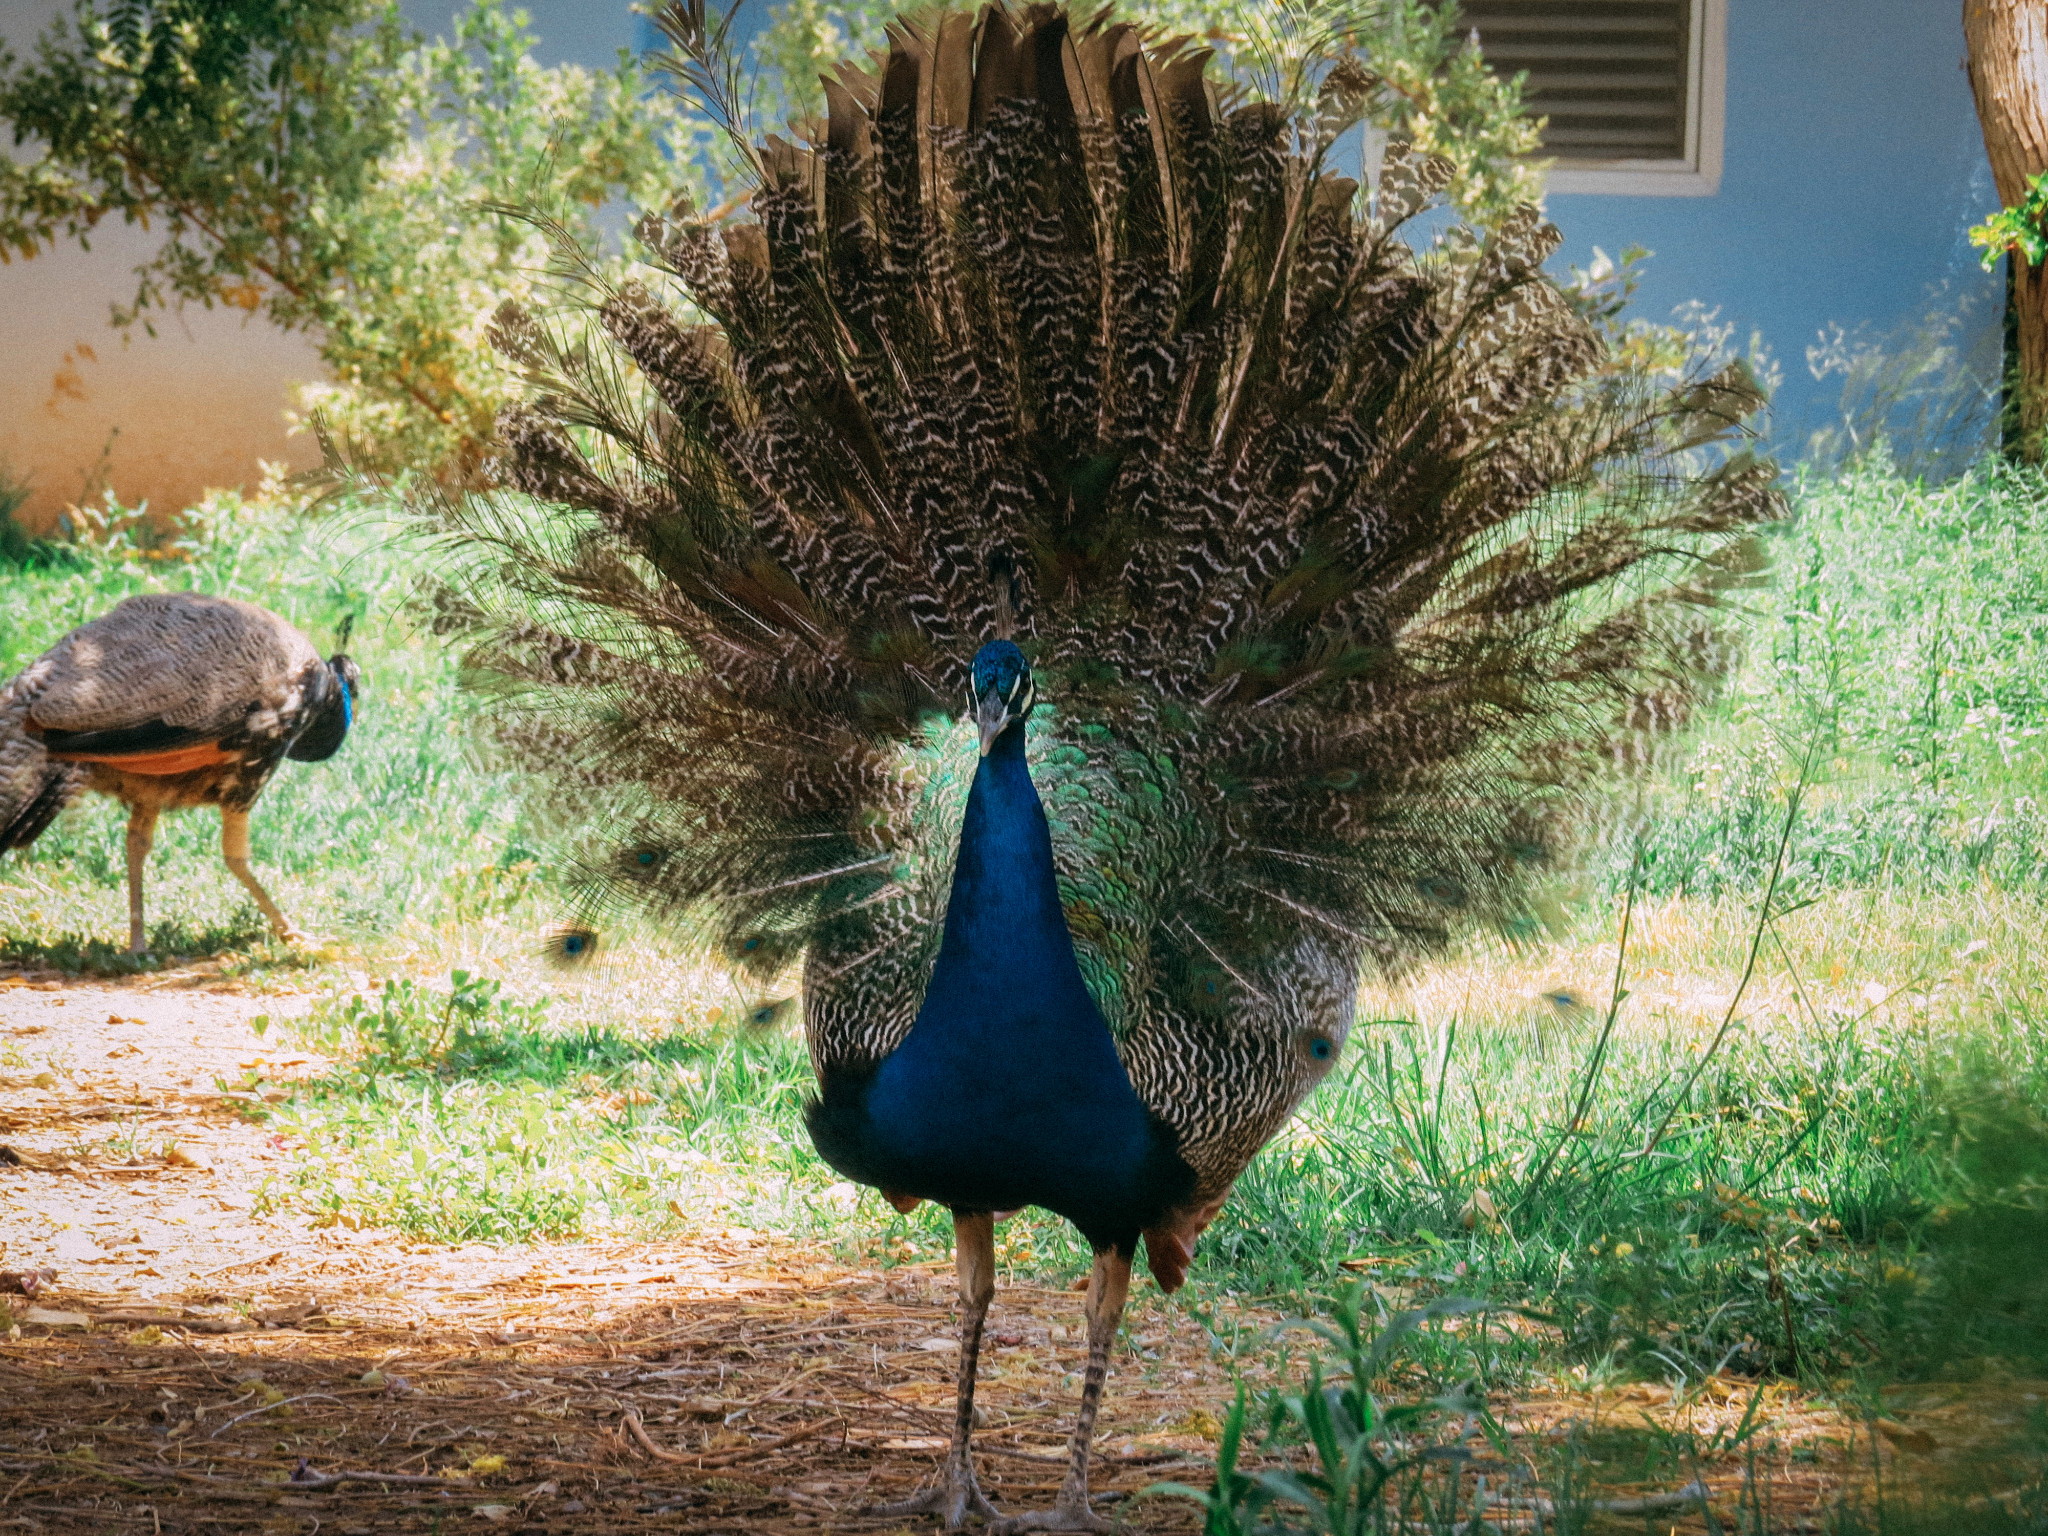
point(332, 715)
point(1002, 690)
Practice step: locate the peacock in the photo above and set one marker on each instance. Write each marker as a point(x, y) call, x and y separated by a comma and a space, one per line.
point(172, 700)
point(1064, 585)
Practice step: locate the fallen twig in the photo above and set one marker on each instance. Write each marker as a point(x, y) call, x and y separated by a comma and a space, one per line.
point(639, 1432)
point(580, 1282)
point(908, 1410)
point(283, 1402)
point(719, 1459)
point(1647, 1504)
point(303, 1476)
point(215, 1325)
point(748, 1452)
point(268, 1258)
point(1141, 1459)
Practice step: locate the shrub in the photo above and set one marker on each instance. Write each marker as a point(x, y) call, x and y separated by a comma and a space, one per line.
point(308, 160)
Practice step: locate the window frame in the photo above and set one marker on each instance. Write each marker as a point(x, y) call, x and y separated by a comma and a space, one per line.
point(1698, 172)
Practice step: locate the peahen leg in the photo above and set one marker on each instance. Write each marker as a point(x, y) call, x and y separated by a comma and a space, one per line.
point(1107, 1288)
point(234, 852)
point(141, 833)
point(956, 1493)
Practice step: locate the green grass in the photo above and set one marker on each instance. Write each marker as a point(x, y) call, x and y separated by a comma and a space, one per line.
point(1902, 646)
point(1863, 1165)
point(1657, 1183)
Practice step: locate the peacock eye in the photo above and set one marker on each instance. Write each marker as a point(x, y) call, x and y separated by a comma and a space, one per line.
point(573, 944)
point(751, 945)
point(646, 857)
point(1320, 1047)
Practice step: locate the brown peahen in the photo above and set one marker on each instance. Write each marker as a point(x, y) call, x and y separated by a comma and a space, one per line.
point(172, 700)
point(1073, 582)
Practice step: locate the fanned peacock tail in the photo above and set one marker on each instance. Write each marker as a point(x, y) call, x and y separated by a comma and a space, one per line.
point(1344, 572)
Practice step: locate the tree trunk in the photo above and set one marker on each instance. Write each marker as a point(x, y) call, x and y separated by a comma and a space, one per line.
point(2008, 64)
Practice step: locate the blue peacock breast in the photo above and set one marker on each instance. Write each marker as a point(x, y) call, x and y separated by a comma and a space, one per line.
point(1008, 1089)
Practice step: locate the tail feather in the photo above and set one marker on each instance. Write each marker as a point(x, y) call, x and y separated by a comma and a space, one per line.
point(59, 786)
point(33, 789)
point(1345, 570)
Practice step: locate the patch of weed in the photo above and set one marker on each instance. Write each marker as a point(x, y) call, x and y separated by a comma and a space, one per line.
point(172, 942)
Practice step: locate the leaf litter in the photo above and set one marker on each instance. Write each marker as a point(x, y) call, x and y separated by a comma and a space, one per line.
point(177, 1360)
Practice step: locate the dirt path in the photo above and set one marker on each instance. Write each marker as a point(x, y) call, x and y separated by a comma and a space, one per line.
point(192, 1354)
point(116, 1089)
point(133, 1174)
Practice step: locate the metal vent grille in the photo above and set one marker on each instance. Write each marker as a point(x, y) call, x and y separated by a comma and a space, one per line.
point(1610, 75)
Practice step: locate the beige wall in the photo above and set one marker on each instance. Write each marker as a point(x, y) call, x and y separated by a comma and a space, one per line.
point(196, 406)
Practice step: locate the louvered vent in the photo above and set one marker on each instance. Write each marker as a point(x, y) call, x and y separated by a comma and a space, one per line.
point(1610, 75)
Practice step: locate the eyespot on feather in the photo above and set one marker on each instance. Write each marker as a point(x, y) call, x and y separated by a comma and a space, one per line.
point(570, 947)
point(1208, 989)
point(761, 953)
point(1442, 888)
point(768, 1015)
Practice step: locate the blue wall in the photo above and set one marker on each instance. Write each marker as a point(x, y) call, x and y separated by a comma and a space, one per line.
point(587, 32)
point(1853, 166)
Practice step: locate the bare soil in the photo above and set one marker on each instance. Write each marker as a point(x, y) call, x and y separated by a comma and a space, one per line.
point(196, 1364)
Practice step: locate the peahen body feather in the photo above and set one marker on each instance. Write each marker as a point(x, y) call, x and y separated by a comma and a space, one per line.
point(169, 701)
point(1336, 574)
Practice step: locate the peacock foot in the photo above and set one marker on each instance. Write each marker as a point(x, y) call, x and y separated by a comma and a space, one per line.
point(953, 1497)
point(1068, 1513)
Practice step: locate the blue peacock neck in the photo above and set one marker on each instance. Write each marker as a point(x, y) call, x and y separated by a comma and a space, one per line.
point(1004, 925)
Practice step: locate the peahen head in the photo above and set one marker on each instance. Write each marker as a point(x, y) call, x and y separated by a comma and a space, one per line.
point(332, 715)
point(1002, 691)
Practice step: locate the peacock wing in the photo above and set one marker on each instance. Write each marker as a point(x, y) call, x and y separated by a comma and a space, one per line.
point(1224, 1019)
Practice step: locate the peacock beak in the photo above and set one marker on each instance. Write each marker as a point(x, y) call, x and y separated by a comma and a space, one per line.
point(993, 716)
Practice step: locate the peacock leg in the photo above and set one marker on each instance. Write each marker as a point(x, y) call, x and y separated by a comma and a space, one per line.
point(141, 833)
point(956, 1493)
point(234, 852)
point(1107, 1288)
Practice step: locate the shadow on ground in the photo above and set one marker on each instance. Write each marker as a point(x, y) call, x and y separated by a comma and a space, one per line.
point(172, 944)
